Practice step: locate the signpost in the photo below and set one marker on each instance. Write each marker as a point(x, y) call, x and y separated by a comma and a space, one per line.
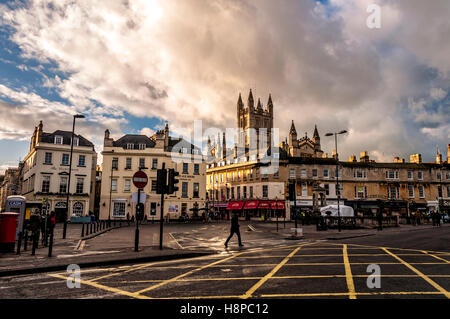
point(140, 180)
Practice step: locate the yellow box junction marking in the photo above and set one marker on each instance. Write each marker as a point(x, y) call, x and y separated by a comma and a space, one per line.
point(249, 292)
point(427, 279)
point(348, 274)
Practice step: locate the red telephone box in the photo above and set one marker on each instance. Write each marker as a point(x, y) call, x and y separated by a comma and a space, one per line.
point(8, 227)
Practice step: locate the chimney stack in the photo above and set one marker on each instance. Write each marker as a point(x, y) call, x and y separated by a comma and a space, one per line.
point(352, 158)
point(364, 157)
point(415, 158)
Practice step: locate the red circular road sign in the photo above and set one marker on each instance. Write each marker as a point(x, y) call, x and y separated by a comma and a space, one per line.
point(140, 179)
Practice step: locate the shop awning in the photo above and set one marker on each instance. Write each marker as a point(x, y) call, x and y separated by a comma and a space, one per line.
point(235, 205)
point(264, 204)
point(252, 204)
point(279, 204)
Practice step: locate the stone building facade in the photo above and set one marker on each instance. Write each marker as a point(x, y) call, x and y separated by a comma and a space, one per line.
point(130, 153)
point(396, 187)
point(10, 185)
point(45, 173)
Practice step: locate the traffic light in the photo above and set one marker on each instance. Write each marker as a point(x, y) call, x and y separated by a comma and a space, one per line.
point(171, 188)
point(140, 211)
point(161, 181)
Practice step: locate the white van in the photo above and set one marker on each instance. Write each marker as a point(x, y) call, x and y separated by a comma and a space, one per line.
point(332, 210)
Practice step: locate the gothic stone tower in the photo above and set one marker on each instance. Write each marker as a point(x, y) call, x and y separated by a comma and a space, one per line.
point(257, 118)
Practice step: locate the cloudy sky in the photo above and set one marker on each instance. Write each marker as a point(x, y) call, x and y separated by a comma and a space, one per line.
point(131, 65)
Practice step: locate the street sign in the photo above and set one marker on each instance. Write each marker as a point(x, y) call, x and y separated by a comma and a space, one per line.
point(140, 179)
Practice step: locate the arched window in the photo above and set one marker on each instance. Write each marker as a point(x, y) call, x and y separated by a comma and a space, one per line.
point(77, 209)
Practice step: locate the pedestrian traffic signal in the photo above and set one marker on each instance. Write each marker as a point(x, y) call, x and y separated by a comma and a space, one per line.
point(171, 188)
point(161, 181)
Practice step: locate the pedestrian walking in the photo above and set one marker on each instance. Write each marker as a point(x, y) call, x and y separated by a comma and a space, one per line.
point(380, 219)
point(234, 230)
point(128, 219)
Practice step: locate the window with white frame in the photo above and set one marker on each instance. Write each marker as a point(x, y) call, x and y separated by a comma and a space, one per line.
point(142, 162)
point(128, 161)
point(410, 175)
point(265, 191)
point(292, 173)
point(154, 163)
point(393, 192)
point(303, 173)
point(420, 175)
point(48, 158)
point(127, 185)
point(82, 160)
point(130, 146)
point(304, 189)
point(314, 172)
point(63, 185)
point(76, 141)
point(421, 191)
point(411, 191)
point(360, 192)
point(141, 146)
point(65, 159)
point(119, 209)
point(77, 209)
point(391, 174)
point(58, 139)
point(114, 185)
point(45, 184)
point(80, 185)
point(360, 173)
point(325, 173)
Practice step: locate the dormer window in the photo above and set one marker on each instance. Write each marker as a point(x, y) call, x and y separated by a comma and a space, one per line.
point(130, 146)
point(58, 139)
point(76, 141)
point(142, 146)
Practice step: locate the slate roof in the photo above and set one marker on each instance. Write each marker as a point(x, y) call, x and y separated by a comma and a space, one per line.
point(67, 136)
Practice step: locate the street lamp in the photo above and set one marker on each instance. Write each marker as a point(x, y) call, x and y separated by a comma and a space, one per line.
point(114, 165)
point(337, 174)
point(76, 116)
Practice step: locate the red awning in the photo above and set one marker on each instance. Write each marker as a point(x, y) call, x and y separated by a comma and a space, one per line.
point(277, 204)
point(264, 204)
point(235, 205)
point(252, 204)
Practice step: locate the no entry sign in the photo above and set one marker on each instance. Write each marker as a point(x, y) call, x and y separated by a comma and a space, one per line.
point(140, 179)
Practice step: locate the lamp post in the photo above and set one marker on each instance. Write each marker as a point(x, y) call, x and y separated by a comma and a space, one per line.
point(338, 191)
point(76, 116)
point(113, 165)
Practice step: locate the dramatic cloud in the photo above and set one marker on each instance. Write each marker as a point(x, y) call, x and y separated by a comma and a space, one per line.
point(182, 61)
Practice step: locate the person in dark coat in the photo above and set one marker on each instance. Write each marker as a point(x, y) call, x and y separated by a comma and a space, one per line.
point(380, 219)
point(234, 230)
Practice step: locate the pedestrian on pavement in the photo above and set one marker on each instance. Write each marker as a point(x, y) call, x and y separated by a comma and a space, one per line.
point(234, 230)
point(380, 219)
point(128, 219)
point(438, 219)
point(418, 217)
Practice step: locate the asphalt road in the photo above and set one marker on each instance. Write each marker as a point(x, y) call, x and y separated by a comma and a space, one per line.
point(415, 264)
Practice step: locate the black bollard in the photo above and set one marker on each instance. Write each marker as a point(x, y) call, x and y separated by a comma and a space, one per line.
point(50, 246)
point(19, 243)
point(25, 243)
point(35, 241)
point(82, 229)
